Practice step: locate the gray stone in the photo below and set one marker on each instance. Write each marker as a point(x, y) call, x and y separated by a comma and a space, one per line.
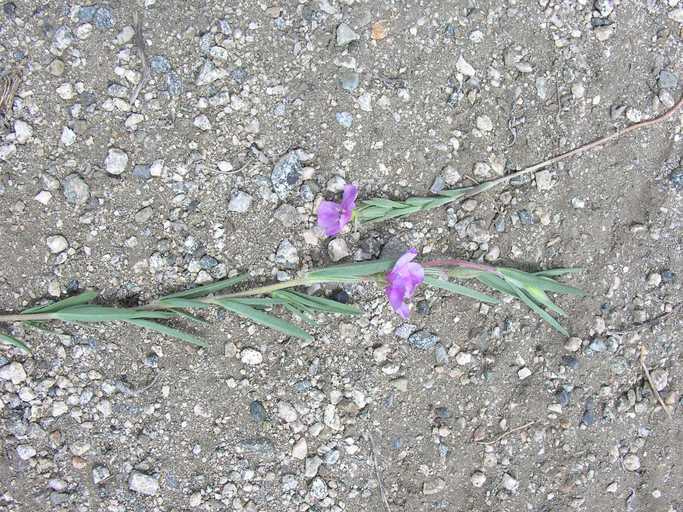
point(510, 483)
point(76, 190)
point(26, 451)
point(257, 411)
point(348, 80)
point(160, 64)
point(631, 462)
point(239, 202)
point(13, 372)
point(319, 489)
point(116, 161)
point(208, 74)
point(143, 215)
point(100, 474)
point(287, 256)
point(433, 486)
point(660, 379)
point(251, 356)
point(404, 331)
point(423, 340)
point(259, 446)
point(143, 484)
point(63, 38)
point(478, 479)
point(438, 185)
point(345, 119)
point(103, 17)
point(287, 215)
point(312, 466)
point(338, 249)
point(346, 35)
point(57, 244)
point(22, 131)
point(286, 174)
point(174, 84)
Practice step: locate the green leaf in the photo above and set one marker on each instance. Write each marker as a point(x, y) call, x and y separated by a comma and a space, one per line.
point(81, 298)
point(455, 193)
point(460, 290)
point(301, 314)
point(382, 203)
point(352, 272)
point(201, 291)
point(94, 313)
point(542, 313)
point(497, 283)
point(264, 319)
point(184, 303)
point(169, 331)
point(316, 303)
point(542, 298)
point(554, 272)
point(188, 316)
point(259, 302)
point(6, 339)
point(525, 280)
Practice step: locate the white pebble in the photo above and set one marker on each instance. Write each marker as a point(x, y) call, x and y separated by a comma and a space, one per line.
point(57, 244)
point(251, 356)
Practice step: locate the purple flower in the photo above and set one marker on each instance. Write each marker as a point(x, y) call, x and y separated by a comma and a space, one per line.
point(403, 279)
point(332, 217)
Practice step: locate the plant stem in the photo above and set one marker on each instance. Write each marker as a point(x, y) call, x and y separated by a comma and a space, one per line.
point(25, 318)
point(470, 265)
point(263, 290)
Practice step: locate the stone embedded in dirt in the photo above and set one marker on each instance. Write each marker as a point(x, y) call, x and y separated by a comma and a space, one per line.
point(348, 80)
point(287, 256)
point(26, 451)
point(300, 449)
point(654, 279)
point(573, 344)
point(345, 119)
point(631, 462)
point(423, 340)
point(451, 175)
point(463, 358)
point(143, 215)
point(57, 244)
point(523, 373)
point(100, 474)
point(318, 489)
point(660, 379)
point(433, 486)
point(478, 479)
point(484, 123)
point(143, 484)
point(286, 175)
point(510, 483)
point(202, 122)
point(346, 35)
point(240, 202)
point(251, 356)
point(13, 372)
point(257, 411)
point(76, 190)
point(286, 412)
point(22, 131)
point(116, 161)
point(312, 466)
point(287, 215)
point(338, 249)
point(464, 67)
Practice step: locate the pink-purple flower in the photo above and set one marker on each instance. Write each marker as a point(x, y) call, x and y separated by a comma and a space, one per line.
point(403, 279)
point(332, 217)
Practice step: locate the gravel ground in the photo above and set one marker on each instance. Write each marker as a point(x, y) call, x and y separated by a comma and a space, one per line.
point(154, 144)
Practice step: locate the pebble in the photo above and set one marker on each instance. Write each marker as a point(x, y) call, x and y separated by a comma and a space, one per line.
point(423, 340)
point(287, 215)
point(43, 197)
point(631, 462)
point(22, 131)
point(312, 466)
point(57, 244)
point(26, 452)
point(257, 411)
point(143, 215)
point(103, 18)
point(143, 484)
point(287, 255)
point(345, 119)
point(286, 412)
point(598, 345)
point(300, 449)
point(202, 122)
point(654, 279)
point(464, 67)
point(76, 190)
point(239, 202)
point(570, 362)
point(660, 379)
point(116, 161)
point(338, 249)
point(523, 373)
point(346, 35)
point(451, 175)
point(63, 38)
point(433, 486)
point(578, 203)
point(484, 123)
point(319, 489)
point(478, 479)
point(68, 136)
point(160, 64)
point(573, 344)
point(66, 91)
point(100, 474)
point(510, 483)
point(286, 174)
point(13, 372)
point(348, 80)
point(251, 356)
point(676, 15)
point(463, 358)
point(544, 180)
point(667, 79)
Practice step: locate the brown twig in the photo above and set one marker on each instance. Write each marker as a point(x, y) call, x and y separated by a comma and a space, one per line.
point(643, 353)
point(505, 434)
point(580, 149)
point(141, 46)
point(382, 493)
point(649, 323)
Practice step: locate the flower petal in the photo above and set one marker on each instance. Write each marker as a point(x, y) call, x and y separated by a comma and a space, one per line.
point(396, 293)
point(329, 217)
point(407, 257)
point(348, 202)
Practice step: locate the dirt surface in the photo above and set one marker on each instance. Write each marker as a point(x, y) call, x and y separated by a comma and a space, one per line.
point(155, 188)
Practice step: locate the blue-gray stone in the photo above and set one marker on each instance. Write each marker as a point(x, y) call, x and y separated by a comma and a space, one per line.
point(525, 217)
point(423, 340)
point(104, 18)
point(570, 362)
point(174, 84)
point(563, 397)
point(438, 185)
point(676, 178)
point(207, 262)
point(667, 79)
point(257, 411)
point(239, 75)
point(345, 119)
point(348, 80)
point(286, 174)
point(160, 64)
point(667, 276)
point(142, 172)
point(598, 345)
point(86, 13)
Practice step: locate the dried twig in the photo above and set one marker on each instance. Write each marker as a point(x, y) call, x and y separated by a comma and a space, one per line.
point(142, 54)
point(643, 353)
point(8, 89)
point(382, 492)
point(505, 434)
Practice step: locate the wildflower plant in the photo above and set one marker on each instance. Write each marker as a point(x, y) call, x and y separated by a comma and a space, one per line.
point(265, 305)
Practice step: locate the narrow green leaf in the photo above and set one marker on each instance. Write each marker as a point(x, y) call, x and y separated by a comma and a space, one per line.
point(524, 280)
point(301, 314)
point(188, 316)
point(382, 203)
point(94, 313)
point(201, 291)
point(351, 273)
point(184, 303)
point(265, 319)
point(81, 298)
point(317, 303)
point(262, 302)
point(6, 339)
point(497, 284)
point(554, 272)
point(455, 193)
point(169, 331)
point(542, 313)
point(542, 298)
point(460, 290)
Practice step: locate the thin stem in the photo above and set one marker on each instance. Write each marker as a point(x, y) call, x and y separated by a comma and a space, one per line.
point(25, 318)
point(262, 290)
point(470, 265)
point(581, 149)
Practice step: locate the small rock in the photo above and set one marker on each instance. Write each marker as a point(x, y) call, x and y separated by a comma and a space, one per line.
point(43, 197)
point(319, 489)
point(100, 474)
point(63, 38)
point(484, 123)
point(116, 161)
point(26, 451)
point(598, 345)
point(631, 462)
point(300, 449)
point(57, 244)
point(160, 64)
point(667, 79)
point(544, 180)
point(22, 131)
point(660, 379)
point(103, 18)
point(523, 373)
point(66, 91)
point(423, 340)
point(676, 15)
point(338, 249)
point(251, 356)
point(13, 372)
point(478, 479)
point(287, 215)
point(143, 215)
point(76, 190)
point(464, 67)
point(287, 256)
point(312, 466)
point(240, 202)
point(463, 358)
point(286, 412)
point(577, 203)
point(68, 137)
point(143, 484)
point(400, 383)
point(286, 174)
point(433, 486)
point(348, 80)
point(202, 122)
point(451, 175)
point(654, 279)
point(509, 483)
point(345, 119)
point(257, 411)
point(573, 344)
point(438, 185)
point(346, 35)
